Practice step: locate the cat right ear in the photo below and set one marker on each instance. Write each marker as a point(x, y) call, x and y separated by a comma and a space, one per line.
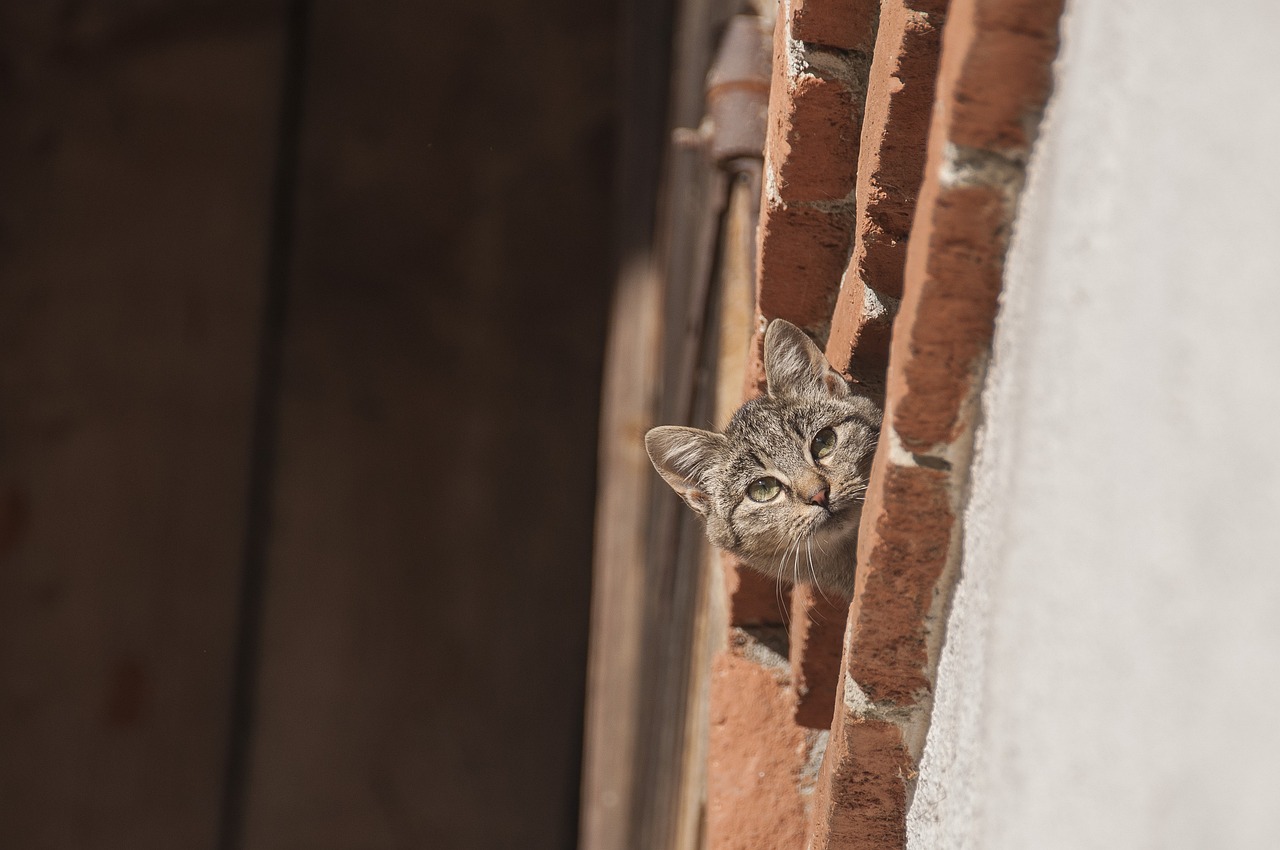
point(795, 366)
point(682, 457)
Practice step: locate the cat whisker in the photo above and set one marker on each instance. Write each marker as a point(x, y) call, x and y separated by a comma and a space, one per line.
point(795, 567)
point(782, 608)
point(808, 548)
point(814, 572)
point(777, 592)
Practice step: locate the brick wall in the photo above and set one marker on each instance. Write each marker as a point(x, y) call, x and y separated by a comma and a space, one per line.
point(898, 133)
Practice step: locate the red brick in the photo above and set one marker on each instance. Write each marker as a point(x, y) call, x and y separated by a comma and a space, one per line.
point(899, 105)
point(845, 24)
point(900, 93)
point(816, 100)
point(817, 642)
point(992, 85)
point(859, 342)
point(813, 139)
point(957, 258)
point(861, 797)
point(802, 255)
point(998, 80)
point(902, 551)
point(754, 599)
point(757, 756)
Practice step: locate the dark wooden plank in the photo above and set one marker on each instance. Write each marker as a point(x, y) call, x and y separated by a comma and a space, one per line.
point(426, 598)
point(617, 699)
point(135, 179)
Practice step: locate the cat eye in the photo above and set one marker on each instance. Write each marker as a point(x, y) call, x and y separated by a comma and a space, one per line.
point(764, 489)
point(824, 443)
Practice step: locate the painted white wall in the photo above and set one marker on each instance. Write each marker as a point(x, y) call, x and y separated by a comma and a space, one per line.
point(1111, 677)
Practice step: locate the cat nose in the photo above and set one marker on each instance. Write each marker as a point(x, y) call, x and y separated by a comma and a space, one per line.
point(819, 496)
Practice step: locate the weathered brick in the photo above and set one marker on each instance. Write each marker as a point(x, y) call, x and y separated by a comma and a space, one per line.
point(816, 99)
point(817, 641)
point(992, 85)
point(899, 105)
point(958, 259)
point(861, 798)
point(859, 341)
point(802, 255)
point(757, 754)
point(902, 550)
point(813, 139)
point(900, 93)
point(754, 599)
point(811, 151)
point(848, 24)
point(997, 85)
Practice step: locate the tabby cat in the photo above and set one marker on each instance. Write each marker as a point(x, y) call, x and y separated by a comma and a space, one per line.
point(782, 487)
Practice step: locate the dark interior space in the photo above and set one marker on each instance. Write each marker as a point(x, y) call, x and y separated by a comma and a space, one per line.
point(302, 311)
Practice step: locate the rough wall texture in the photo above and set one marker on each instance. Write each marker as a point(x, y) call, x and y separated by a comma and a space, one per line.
point(1108, 675)
point(821, 56)
point(931, 231)
point(900, 91)
point(992, 84)
point(816, 103)
point(758, 757)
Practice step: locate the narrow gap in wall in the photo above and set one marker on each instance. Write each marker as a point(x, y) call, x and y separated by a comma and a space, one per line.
point(264, 431)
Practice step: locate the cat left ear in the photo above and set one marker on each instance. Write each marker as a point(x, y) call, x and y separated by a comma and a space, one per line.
point(795, 366)
point(682, 457)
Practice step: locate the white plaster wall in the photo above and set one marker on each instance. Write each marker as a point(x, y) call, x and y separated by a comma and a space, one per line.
point(1111, 677)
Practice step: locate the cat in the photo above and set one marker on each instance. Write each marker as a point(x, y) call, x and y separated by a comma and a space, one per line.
point(782, 488)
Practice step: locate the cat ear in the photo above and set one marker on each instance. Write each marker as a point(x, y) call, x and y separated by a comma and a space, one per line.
point(794, 366)
point(682, 457)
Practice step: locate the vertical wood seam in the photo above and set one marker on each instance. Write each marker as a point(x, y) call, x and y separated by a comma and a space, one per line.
point(264, 432)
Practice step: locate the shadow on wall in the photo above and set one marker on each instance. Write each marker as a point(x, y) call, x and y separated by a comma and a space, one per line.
point(382, 373)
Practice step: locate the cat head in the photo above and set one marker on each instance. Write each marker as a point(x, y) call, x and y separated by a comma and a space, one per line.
point(782, 487)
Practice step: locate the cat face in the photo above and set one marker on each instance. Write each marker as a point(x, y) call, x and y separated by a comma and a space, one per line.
point(782, 487)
